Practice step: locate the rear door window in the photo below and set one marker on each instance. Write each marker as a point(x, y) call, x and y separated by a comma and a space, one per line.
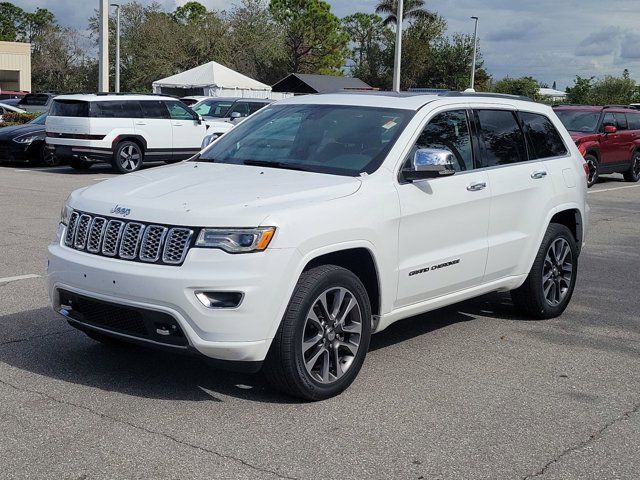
point(634, 121)
point(69, 108)
point(502, 138)
point(545, 140)
point(240, 107)
point(255, 106)
point(117, 109)
point(154, 109)
point(621, 121)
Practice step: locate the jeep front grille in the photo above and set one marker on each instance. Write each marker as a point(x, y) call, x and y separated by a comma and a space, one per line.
point(132, 241)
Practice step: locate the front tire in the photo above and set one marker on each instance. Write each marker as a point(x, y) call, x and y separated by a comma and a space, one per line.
point(128, 157)
point(323, 337)
point(549, 286)
point(48, 158)
point(633, 174)
point(594, 169)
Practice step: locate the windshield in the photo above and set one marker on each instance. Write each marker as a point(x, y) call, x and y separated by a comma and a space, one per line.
point(212, 108)
point(579, 121)
point(38, 120)
point(336, 139)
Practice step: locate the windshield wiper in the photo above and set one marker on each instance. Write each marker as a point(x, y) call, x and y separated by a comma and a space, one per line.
point(283, 165)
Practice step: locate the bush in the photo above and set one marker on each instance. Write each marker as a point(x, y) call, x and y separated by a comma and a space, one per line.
point(18, 118)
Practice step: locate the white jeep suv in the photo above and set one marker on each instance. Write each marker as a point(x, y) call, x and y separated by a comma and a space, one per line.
point(321, 220)
point(124, 130)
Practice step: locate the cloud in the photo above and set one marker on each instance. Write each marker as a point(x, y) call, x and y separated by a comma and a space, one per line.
point(517, 31)
point(603, 42)
point(630, 49)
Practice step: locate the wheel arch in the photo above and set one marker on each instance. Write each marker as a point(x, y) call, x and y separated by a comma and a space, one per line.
point(361, 262)
point(139, 139)
point(572, 219)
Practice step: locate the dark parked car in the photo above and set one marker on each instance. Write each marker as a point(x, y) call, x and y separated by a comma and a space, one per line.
point(608, 138)
point(36, 102)
point(26, 143)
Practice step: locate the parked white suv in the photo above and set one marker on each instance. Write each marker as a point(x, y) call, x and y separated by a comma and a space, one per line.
point(124, 130)
point(321, 220)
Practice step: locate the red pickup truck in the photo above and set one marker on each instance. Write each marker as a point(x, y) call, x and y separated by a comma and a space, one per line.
point(608, 137)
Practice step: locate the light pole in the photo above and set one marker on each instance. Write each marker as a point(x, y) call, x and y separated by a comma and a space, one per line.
point(475, 51)
point(117, 6)
point(103, 62)
point(397, 60)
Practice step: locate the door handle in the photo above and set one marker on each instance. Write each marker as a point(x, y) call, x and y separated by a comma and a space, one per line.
point(477, 186)
point(140, 123)
point(538, 175)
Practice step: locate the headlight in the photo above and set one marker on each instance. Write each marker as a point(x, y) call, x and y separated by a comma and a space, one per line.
point(24, 139)
point(236, 240)
point(65, 213)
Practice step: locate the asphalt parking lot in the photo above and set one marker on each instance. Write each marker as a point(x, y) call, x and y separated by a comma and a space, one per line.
point(473, 391)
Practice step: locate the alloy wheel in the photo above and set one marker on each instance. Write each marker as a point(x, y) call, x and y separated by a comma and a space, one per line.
point(636, 165)
point(129, 157)
point(557, 272)
point(593, 170)
point(331, 335)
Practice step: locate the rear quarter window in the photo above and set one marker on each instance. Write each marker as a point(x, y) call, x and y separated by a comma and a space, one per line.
point(69, 108)
point(117, 109)
point(545, 139)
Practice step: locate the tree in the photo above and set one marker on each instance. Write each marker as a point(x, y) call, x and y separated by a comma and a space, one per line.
point(11, 22)
point(313, 37)
point(372, 48)
point(613, 91)
point(579, 93)
point(525, 86)
point(189, 12)
point(258, 42)
point(412, 10)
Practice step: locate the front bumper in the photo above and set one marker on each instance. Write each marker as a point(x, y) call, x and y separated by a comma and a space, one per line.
point(16, 152)
point(236, 334)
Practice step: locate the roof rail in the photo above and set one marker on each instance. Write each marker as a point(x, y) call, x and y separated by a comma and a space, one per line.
point(485, 94)
point(616, 106)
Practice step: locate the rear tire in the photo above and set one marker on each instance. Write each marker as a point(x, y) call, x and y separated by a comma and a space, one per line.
point(78, 164)
point(633, 174)
point(323, 337)
point(594, 169)
point(549, 286)
point(127, 157)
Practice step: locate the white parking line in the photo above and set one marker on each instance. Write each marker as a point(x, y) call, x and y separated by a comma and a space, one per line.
point(19, 277)
point(612, 189)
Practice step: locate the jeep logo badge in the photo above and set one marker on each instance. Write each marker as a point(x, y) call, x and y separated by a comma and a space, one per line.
point(118, 210)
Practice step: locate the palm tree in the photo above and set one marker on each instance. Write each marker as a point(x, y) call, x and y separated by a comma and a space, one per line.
point(413, 9)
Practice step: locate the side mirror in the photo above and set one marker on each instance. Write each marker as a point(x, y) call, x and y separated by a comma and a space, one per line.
point(235, 115)
point(430, 163)
point(610, 129)
point(199, 120)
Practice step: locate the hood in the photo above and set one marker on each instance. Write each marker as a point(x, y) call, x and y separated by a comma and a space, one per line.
point(17, 130)
point(203, 194)
point(217, 125)
point(583, 136)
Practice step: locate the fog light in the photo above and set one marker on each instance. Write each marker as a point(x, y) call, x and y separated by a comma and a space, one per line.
point(220, 299)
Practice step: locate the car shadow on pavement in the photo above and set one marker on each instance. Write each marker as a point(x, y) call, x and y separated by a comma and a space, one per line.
point(65, 354)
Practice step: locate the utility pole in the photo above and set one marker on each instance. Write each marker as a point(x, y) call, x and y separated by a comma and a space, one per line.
point(103, 62)
point(397, 61)
point(475, 52)
point(117, 6)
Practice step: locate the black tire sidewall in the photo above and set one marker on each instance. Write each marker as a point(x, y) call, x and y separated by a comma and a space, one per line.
point(630, 176)
point(554, 232)
point(338, 277)
point(116, 156)
point(597, 166)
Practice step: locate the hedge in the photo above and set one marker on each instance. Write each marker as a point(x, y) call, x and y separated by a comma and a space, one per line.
point(18, 118)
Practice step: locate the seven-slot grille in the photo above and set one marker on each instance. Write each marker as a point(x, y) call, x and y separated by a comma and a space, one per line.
point(128, 240)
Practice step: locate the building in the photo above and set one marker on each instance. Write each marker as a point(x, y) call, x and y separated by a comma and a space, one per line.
point(302, 83)
point(552, 94)
point(213, 80)
point(15, 66)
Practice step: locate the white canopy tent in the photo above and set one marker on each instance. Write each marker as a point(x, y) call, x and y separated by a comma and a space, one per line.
point(214, 80)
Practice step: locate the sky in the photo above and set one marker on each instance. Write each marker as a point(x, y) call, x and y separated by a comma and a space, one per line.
point(551, 40)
